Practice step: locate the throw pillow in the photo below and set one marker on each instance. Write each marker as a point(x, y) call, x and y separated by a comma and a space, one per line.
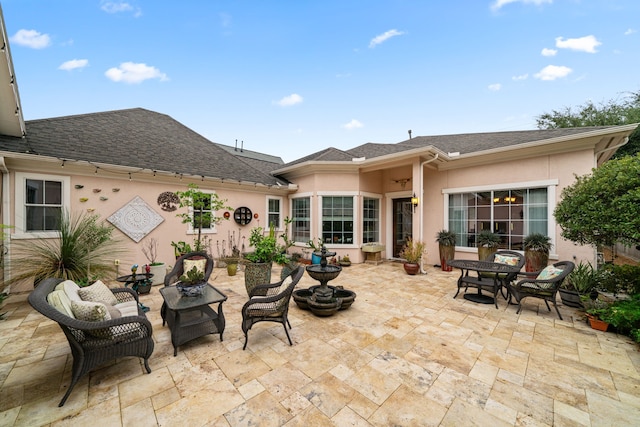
point(60, 301)
point(549, 272)
point(98, 292)
point(505, 259)
point(285, 283)
point(90, 311)
point(188, 264)
point(71, 289)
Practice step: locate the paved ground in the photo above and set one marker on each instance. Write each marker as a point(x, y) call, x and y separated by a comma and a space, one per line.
point(406, 353)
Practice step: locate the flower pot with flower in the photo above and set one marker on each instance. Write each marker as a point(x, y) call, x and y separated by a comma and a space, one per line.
point(412, 252)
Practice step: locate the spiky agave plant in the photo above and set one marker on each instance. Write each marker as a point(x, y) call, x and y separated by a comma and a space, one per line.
point(84, 249)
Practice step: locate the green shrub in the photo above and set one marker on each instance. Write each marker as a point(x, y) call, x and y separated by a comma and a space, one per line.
point(619, 279)
point(624, 315)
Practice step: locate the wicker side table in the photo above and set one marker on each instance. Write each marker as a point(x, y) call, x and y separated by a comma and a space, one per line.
point(189, 318)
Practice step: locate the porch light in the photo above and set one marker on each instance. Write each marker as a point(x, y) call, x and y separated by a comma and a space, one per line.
point(414, 202)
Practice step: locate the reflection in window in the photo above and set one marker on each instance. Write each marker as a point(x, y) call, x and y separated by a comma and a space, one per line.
point(512, 214)
point(301, 219)
point(337, 220)
point(43, 203)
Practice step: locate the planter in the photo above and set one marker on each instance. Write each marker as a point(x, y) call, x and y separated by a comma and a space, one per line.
point(191, 290)
point(411, 268)
point(447, 253)
point(597, 324)
point(158, 271)
point(570, 298)
point(232, 268)
point(256, 273)
point(315, 259)
point(485, 252)
point(535, 260)
point(143, 288)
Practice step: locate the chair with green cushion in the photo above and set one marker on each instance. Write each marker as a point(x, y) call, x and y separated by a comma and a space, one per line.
point(544, 286)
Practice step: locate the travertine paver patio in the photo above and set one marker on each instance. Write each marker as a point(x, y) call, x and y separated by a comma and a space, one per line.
point(406, 353)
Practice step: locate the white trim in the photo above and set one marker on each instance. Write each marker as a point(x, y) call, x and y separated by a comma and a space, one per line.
point(337, 193)
point(213, 229)
point(279, 226)
point(356, 217)
point(506, 186)
point(377, 197)
point(20, 208)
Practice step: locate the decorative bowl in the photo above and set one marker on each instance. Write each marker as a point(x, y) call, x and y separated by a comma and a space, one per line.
point(191, 290)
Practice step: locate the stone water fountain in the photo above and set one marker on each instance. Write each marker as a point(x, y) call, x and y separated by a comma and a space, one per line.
point(324, 300)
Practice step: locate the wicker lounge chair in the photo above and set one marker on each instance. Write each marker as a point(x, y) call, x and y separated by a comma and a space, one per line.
point(543, 285)
point(270, 303)
point(95, 343)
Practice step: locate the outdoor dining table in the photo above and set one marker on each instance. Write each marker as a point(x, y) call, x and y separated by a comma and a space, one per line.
point(491, 276)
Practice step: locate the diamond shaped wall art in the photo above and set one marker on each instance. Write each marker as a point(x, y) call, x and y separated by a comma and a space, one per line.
point(136, 219)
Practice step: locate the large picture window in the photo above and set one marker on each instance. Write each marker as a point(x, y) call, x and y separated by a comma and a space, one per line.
point(512, 214)
point(337, 219)
point(370, 220)
point(301, 219)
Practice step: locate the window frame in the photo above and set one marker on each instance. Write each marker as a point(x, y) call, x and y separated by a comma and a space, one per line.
point(292, 203)
point(356, 217)
point(279, 225)
point(191, 230)
point(20, 208)
point(378, 198)
point(550, 185)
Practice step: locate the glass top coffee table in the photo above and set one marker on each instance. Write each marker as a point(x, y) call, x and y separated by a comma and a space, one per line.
point(192, 317)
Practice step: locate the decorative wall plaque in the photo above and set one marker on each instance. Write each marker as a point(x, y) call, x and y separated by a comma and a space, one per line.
point(136, 219)
point(242, 215)
point(168, 201)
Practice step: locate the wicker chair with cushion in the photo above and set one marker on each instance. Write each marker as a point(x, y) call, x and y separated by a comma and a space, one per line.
point(101, 324)
point(186, 262)
point(270, 303)
point(544, 285)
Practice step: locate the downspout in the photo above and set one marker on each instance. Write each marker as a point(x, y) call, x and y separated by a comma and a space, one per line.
point(5, 215)
point(421, 195)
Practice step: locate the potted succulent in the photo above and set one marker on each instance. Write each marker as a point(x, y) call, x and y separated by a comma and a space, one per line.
point(487, 242)
point(265, 251)
point(191, 283)
point(536, 251)
point(447, 247)
point(581, 281)
point(157, 268)
point(345, 261)
point(412, 253)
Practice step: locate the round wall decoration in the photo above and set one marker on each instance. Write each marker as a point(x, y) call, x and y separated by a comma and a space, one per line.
point(168, 201)
point(227, 215)
point(242, 215)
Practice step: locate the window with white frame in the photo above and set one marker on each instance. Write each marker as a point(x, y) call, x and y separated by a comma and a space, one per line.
point(370, 219)
point(40, 200)
point(512, 214)
point(337, 219)
point(274, 212)
point(301, 219)
point(201, 214)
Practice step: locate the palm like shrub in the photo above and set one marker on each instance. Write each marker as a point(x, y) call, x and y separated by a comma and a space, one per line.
point(84, 249)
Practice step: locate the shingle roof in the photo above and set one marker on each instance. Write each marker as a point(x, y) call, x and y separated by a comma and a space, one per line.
point(136, 138)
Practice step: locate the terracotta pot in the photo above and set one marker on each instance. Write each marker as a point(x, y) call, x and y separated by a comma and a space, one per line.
point(535, 260)
point(411, 268)
point(597, 324)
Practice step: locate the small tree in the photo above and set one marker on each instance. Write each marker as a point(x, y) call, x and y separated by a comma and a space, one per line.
point(603, 208)
point(201, 211)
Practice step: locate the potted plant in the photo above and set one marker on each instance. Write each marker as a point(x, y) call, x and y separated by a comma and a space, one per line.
point(201, 207)
point(581, 281)
point(624, 316)
point(83, 250)
point(447, 247)
point(412, 253)
point(191, 283)
point(345, 261)
point(265, 251)
point(180, 248)
point(487, 242)
point(316, 246)
point(157, 268)
point(595, 308)
point(536, 251)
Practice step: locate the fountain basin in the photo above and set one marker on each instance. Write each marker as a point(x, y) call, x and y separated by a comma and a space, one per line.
point(323, 274)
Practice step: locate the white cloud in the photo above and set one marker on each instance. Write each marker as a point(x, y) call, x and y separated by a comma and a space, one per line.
point(520, 77)
point(289, 100)
point(553, 72)
point(353, 124)
point(384, 37)
point(630, 31)
point(119, 6)
point(73, 64)
point(499, 3)
point(31, 38)
point(495, 87)
point(129, 72)
point(583, 44)
point(548, 52)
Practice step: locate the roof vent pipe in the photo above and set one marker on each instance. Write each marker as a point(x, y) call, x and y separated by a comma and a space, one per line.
point(236, 149)
point(409, 133)
point(242, 146)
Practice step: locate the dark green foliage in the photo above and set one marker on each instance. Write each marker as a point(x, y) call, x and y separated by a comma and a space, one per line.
point(446, 238)
point(619, 279)
point(488, 239)
point(192, 277)
point(624, 315)
point(537, 242)
point(265, 247)
point(603, 208)
point(582, 279)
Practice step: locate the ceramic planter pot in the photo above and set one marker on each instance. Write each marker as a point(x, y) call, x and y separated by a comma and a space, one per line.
point(484, 252)
point(232, 268)
point(158, 271)
point(535, 260)
point(447, 253)
point(411, 268)
point(256, 273)
point(570, 298)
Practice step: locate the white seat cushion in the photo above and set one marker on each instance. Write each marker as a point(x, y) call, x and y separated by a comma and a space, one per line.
point(127, 308)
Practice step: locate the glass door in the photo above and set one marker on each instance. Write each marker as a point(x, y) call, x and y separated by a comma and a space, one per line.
point(402, 223)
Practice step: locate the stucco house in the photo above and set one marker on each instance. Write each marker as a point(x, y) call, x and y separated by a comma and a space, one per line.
point(118, 164)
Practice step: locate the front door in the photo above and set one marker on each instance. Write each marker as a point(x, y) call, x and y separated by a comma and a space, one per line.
point(402, 223)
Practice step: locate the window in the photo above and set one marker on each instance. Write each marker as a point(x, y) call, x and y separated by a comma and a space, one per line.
point(337, 219)
point(301, 219)
point(201, 214)
point(39, 201)
point(274, 214)
point(513, 214)
point(370, 220)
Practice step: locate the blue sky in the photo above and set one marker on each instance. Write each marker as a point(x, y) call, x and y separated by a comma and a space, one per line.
point(294, 77)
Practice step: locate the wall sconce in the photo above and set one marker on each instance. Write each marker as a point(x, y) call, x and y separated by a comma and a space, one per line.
point(414, 202)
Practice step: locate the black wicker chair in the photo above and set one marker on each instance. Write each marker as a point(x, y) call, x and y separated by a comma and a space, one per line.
point(90, 346)
point(178, 269)
point(545, 289)
point(270, 303)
